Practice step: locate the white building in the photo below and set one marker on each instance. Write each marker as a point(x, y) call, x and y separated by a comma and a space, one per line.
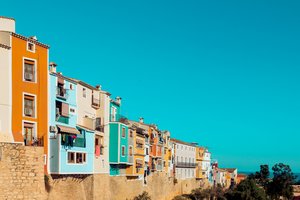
point(6, 25)
point(185, 155)
point(206, 164)
point(93, 115)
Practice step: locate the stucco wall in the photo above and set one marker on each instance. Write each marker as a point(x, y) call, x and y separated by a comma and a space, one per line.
point(5, 95)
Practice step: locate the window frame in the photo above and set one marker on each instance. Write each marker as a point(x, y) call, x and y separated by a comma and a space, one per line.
point(35, 128)
point(33, 44)
point(35, 105)
point(123, 128)
point(35, 70)
point(84, 158)
point(123, 147)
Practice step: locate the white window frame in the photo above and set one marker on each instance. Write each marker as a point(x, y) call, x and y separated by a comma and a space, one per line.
point(28, 42)
point(30, 122)
point(124, 151)
point(35, 70)
point(83, 163)
point(35, 105)
point(129, 151)
point(122, 132)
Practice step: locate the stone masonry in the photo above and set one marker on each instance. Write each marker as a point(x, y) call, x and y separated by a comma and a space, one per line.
point(21, 172)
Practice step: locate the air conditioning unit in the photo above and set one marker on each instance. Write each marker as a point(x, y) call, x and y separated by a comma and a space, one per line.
point(28, 77)
point(28, 111)
point(53, 129)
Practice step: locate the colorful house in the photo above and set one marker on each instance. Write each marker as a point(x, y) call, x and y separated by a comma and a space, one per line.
point(185, 164)
point(168, 154)
point(156, 149)
point(120, 153)
point(101, 102)
point(200, 174)
point(24, 63)
point(137, 169)
point(65, 141)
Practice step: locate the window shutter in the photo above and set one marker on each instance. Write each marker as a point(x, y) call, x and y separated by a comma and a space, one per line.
point(65, 110)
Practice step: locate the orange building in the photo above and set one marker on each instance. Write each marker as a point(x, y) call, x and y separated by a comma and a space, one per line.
point(28, 62)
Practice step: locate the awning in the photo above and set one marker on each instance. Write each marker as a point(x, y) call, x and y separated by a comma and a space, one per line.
point(65, 129)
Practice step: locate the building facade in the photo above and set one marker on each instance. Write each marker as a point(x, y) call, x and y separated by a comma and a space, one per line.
point(185, 155)
point(119, 157)
point(24, 61)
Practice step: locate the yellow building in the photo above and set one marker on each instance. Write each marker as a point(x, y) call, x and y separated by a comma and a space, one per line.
point(137, 169)
point(200, 174)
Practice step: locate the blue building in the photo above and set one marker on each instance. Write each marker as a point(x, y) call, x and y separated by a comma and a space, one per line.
point(70, 147)
point(119, 140)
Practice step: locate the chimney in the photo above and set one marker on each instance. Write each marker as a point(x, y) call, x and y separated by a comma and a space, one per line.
point(118, 100)
point(52, 67)
point(98, 87)
point(141, 120)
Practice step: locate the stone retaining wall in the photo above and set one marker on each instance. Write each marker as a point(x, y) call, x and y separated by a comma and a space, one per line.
point(21, 172)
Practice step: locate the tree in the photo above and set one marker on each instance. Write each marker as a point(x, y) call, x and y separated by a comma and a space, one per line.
point(281, 184)
point(262, 177)
point(246, 190)
point(143, 196)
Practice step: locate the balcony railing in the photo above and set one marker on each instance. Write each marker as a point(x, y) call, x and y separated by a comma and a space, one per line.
point(99, 128)
point(62, 119)
point(61, 93)
point(186, 164)
point(118, 118)
point(95, 102)
point(77, 142)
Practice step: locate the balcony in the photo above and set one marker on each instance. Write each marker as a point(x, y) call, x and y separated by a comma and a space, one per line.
point(100, 128)
point(118, 118)
point(186, 165)
point(88, 123)
point(77, 142)
point(95, 102)
point(64, 120)
point(61, 93)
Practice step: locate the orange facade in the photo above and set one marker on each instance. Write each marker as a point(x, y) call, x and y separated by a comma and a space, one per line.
point(36, 90)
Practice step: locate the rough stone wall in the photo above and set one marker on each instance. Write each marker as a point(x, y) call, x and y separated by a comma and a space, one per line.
point(104, 187)
point(22, 177)
point(21, 172)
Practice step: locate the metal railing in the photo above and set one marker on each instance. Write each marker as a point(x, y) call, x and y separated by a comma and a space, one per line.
point(61, 93)
point(186, 164)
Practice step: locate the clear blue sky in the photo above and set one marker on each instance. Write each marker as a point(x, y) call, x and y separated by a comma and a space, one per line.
point(225, 74)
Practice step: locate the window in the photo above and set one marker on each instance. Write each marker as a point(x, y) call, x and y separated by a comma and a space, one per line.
point(29, 132)
point(84, 92)
point(123, 150)
point(29, 106)
point(62, 110)
point(72, 110)
point(29, 70)
point(30, 47)
point(99, 146)
point(131, 133)
point(123, 132)
point(113, 114)
point(71, 86)
point(98, 124)
point(76, 158)
point(130, 150)
point(147, 151)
